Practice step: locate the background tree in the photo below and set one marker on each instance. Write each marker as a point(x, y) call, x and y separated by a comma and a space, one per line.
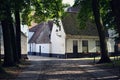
point(90, 10)
point(115, 6)
point(17, 9)
point(101, 31)
point(44, 10)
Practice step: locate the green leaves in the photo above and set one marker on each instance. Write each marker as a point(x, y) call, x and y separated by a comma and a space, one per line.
point(45, 10)
point(85, 14)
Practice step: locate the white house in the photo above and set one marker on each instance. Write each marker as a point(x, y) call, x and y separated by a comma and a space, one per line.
point(68, 40)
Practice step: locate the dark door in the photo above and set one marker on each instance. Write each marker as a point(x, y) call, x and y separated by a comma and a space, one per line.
point(39, 50)
point(75, 47)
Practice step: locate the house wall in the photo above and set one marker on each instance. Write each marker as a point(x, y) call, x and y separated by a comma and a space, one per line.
point(23, 44)
point(111, 40)
point(58, 40)
point(110, 45)
point(91, 45)
point(43, 49)
point(32, 48)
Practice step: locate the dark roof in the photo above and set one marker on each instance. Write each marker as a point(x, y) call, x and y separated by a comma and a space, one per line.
point(41, 32)
point(71, 26)
point(74, 9)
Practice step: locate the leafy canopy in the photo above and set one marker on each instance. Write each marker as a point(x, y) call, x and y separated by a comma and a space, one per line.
point(43, 10)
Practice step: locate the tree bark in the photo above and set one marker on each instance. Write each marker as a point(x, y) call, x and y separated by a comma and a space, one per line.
point(101, 31)
point(8, 51)
point(9, 36)
point(18, 33)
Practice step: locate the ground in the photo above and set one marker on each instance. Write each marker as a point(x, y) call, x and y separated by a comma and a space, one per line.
point(44, 68)
point(10, 73)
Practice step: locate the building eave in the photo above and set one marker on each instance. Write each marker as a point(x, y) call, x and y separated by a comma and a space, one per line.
point(68, 36)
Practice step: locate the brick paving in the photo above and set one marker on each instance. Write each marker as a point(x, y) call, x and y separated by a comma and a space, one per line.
point(43, 68)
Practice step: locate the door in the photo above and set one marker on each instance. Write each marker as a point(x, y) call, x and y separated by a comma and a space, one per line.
point(39, 50)
point(75, 46)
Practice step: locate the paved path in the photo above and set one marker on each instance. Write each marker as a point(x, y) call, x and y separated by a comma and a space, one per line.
point(43, 68)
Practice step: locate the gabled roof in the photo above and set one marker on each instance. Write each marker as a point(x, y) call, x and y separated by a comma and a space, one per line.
point(41, 32)
point(71, 26)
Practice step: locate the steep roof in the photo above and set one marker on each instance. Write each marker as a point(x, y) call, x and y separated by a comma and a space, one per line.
point(71, 26)
point(41, 32)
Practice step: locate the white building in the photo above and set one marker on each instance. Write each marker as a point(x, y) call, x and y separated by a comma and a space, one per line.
point(68, 40)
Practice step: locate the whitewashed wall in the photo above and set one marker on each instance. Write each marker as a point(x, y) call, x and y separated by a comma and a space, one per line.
point(32, 47)
point(69, 45)
point(57, 40)
point(110, 45)
point(45, 48)
point(91, 45)
point(24, 44)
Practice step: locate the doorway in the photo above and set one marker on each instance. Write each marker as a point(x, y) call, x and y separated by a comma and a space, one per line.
point(75, 47)
point(39, 50)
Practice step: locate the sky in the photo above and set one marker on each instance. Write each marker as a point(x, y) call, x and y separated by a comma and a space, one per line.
point(71, 2)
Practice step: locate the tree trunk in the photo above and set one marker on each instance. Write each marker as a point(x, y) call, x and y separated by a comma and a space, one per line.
point(9, 36)
point(8, 51)
point(101, 32)
point(13, 42)
point(18, 33)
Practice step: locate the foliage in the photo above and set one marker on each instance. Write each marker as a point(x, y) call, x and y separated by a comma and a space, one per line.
point(94, 10)
point(105, 12)
point(85, 7)
point(43, 10)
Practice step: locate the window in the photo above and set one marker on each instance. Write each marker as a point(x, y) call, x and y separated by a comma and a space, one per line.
point(97, 46)
point(85, 43)
point(85, 46)
point(97, 43)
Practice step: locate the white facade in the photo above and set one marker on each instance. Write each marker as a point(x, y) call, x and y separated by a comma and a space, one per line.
point(58, 40)
point(60, 44)
point(56, 44)
point(91, 45)
point(43, 48)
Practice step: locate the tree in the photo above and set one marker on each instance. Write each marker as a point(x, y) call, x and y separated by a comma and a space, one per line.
point(6, 22)
point(90, 10)
point(44, 10)
point(8, 32)
point(115, 6)
point(101, 32)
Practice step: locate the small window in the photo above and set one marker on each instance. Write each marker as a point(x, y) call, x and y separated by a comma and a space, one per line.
point(85, 46)
point(97, 43)
point(84, 43)
point(56, 30)
point(97, 46)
